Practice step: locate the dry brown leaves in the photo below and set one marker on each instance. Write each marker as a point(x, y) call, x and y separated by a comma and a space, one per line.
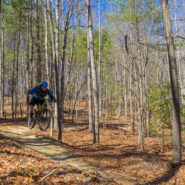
point(19, 165)
point(118, 154)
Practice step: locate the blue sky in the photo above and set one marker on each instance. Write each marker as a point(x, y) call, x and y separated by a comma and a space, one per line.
point(107, 8)
point(179, 10)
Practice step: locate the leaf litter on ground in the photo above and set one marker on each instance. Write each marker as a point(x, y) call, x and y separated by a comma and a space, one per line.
point(19, 165)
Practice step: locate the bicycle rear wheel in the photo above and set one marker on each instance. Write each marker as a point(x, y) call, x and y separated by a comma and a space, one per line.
point(45, 119)
point(32, 121)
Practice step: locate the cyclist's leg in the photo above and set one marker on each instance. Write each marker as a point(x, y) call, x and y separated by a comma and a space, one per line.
point(31, 110)
point(32, 104)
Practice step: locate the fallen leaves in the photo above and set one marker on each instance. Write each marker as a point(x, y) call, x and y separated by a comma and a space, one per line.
point(19, 165)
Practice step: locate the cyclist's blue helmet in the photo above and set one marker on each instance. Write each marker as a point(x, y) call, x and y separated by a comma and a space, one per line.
point(44, 84)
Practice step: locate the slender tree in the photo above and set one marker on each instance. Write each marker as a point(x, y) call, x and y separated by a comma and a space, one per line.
point(177, 153)
point(93, 70)
point(99, 64)
point(89, 85)
point(38, 43)
point(1, 107)
point(58, 108)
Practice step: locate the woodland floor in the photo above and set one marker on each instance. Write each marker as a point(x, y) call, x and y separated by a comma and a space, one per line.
point(28, 155)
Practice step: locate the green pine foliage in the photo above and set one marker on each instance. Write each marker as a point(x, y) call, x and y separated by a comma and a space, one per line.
point(160, 103)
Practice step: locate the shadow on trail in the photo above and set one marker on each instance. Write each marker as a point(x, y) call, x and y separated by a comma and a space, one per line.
point(111, 126)
point(84, 151)
point(21, 121)
point(36, 142)
point(165, 178)
point(18, 145)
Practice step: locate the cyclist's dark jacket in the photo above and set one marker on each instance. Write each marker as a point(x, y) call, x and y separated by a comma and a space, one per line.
point(41, 94)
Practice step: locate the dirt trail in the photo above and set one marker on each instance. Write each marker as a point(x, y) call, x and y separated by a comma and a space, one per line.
point(55, 151)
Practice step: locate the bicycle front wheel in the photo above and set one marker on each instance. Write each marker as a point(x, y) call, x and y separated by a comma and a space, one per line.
point(45, 119)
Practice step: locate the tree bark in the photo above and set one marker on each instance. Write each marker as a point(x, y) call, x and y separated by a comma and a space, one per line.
point(58, 108)
point(89, 87)
point(28, 62)
point(177, 153)
point(93, 70)
point(99, 64)
point(63, 69)
point(1, 108)
point(17, 62)
point(125, 92)
point(38, 43)
point(2, 71)
point(13, 78)
point(131, 100)
point(32, 50)
point(46, 42)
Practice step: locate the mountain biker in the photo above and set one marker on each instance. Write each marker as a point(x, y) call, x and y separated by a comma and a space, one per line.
point(38, 93)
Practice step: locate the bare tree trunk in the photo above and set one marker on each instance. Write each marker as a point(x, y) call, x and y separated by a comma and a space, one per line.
point(131, 100)
point(13, 78)
point(141, 112)
point(38, 43)
point(2, 71)
point(93, 70)
point(54, 52)
point(91, 124)
point(125, 91)
point(99, 64)
point(46, 41)
point(90, 87)
point(17, 63)
point(180, 68)
point(28, 63)
point(58, 108)
point(32, 48)
point(1, 107)
point(177, 153)
point(63, 70)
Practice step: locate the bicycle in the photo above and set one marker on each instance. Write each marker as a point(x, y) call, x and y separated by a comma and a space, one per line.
point(43, 115)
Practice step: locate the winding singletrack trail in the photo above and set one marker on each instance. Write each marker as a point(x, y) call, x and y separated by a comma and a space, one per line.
point(55, 151)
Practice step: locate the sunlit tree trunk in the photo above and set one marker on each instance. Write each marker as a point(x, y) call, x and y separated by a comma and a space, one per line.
point(179, 64)
point(46, 41)
point(89, 86)
point(63, 69)
point(141, 112)
point(125, 92)
point(28, 62)
point(93, 70)
point(32, 50)
point(131, 99)
point(2, 71)
point(17, 62)
point(38, 43)
point(177, 153)
point(56, 72)
point(99, 64)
